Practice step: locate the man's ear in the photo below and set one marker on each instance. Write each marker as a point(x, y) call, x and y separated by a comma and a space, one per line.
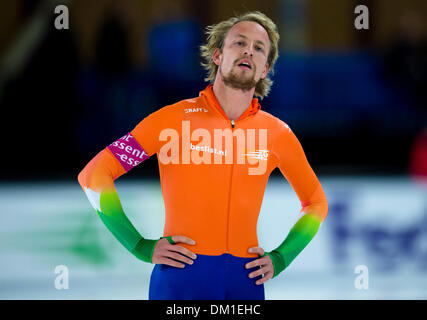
point(265, 72)
point(216, 57)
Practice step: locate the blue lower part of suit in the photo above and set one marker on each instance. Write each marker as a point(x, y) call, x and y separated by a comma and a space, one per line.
point(222, 277)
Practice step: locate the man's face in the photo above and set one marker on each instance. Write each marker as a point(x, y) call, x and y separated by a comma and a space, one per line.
point(243, 60)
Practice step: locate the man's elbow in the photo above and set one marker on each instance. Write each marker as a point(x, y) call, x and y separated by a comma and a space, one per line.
point(319, 210)
point(81, 178)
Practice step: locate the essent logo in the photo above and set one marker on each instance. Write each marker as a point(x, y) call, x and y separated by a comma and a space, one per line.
point(128, 151)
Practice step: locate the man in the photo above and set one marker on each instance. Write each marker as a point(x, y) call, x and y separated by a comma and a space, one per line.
point(215, 153)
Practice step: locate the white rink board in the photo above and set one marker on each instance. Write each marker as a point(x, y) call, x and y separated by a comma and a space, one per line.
point(380, 223)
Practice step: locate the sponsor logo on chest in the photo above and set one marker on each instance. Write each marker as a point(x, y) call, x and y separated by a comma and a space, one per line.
point(192, 110)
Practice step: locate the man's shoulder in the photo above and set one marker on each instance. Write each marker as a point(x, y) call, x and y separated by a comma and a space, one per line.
point(273, 121)
point(181, 107)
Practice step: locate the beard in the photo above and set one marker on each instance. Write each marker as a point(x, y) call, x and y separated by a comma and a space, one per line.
point(239, 82)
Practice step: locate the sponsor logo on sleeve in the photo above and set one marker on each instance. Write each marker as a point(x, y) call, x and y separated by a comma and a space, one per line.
point(128, 152)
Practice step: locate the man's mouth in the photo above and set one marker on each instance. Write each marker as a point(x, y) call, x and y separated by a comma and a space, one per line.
point(245, 64)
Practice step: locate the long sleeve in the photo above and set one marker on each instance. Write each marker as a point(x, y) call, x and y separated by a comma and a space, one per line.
point(97, 181)
point(294, 166)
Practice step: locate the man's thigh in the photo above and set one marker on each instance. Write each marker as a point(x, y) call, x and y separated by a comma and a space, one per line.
point(203, 280)
point(240, 286)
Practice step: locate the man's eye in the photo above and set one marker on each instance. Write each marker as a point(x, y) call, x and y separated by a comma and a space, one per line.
point(258, 49)
point(239, 43)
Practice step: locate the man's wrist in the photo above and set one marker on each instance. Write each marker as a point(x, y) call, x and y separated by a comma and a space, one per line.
point(278, 262)
point(144, 249)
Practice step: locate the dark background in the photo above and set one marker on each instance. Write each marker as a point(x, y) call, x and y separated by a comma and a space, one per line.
point(356, 99)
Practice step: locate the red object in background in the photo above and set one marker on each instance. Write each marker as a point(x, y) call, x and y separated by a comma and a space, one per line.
point(418, 157)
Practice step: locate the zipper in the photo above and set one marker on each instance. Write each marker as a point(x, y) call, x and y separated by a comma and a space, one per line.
point(229, 192)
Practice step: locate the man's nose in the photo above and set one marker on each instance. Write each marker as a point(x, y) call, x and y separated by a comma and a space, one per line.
point(249, 50)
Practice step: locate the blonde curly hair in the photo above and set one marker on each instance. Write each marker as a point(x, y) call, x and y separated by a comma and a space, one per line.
point(215, 39)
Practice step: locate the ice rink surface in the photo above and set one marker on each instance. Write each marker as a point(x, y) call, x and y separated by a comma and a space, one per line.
point(377, 225)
